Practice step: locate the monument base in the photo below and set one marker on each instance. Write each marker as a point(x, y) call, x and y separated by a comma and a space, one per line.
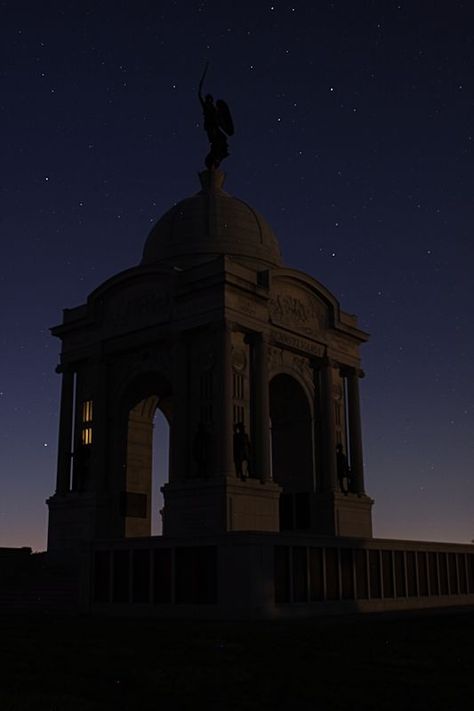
point(76, 518)
point(71, 520)
point(212, 506)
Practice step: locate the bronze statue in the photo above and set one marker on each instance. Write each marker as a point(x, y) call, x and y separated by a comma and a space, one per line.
point(343, 471)
point(218, 125)
point(242, 452)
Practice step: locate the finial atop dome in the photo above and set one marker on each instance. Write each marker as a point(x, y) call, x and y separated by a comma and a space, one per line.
point(212, 181)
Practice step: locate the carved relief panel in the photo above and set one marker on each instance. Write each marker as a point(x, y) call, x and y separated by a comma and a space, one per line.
point(297, 310)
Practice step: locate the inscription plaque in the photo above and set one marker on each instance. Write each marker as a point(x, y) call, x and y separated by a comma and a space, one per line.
point(297, 311)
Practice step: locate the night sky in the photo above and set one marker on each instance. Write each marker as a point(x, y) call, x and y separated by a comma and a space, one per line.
point(354, 138)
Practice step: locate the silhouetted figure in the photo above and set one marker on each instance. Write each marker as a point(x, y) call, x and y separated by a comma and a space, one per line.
point(217, 123)
point(201, 450)
point(343, 472)
point(242, 451)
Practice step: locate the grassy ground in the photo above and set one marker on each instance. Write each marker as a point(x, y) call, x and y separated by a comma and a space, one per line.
point(422, 661)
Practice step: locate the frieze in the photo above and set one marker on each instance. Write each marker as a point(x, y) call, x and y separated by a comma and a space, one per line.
point(300, 344)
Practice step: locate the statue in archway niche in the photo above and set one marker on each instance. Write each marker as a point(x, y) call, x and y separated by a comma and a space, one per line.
point(343, 471)
point(218, 125)
point(242, 452)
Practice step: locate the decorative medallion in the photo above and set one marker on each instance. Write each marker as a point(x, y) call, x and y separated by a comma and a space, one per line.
point(239, 359)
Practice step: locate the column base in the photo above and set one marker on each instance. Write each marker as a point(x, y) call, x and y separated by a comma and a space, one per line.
point(205, 506)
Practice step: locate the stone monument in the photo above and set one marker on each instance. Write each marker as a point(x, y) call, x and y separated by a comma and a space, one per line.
point(214, 330)
point(255, 366)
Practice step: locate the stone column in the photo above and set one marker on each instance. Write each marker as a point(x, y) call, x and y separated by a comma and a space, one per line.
point(318, 464)
point(99, 428)
point(224, 429)
point(328, 430)
point(63, 479)
point(262, 407)
point(355, 432)
point(179, 463)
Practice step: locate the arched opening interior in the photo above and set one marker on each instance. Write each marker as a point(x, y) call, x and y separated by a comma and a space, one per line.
point(292, 451)
point(147, 458)
point(160, 468)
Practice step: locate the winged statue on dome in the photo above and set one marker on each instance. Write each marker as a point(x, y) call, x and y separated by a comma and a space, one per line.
point(218, 125)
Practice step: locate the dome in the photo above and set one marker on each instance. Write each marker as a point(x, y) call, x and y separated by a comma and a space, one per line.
point(209, 224)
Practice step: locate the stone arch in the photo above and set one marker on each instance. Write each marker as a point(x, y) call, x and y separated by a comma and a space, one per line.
point(142, 396)
point(300, 378)
point(292, 448)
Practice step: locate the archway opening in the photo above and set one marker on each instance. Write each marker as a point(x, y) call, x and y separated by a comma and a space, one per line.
point(148, 408)
point(292, 451)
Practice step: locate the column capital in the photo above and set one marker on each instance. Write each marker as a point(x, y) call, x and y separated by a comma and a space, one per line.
point(229, 325)
point(65, 368)
point(348, 371)
point(328, 362)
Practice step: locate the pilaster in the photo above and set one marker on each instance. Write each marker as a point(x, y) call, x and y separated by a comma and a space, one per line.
point(262, 406)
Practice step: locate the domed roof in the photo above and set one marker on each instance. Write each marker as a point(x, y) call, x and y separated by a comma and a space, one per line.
point(209, 224)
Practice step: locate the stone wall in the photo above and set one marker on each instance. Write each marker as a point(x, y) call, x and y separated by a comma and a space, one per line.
point(277, 575)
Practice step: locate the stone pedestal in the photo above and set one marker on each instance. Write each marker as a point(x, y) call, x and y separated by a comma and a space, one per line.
point(71, 520)
point(337, 514)
point(77, 518)
point(219, 505)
